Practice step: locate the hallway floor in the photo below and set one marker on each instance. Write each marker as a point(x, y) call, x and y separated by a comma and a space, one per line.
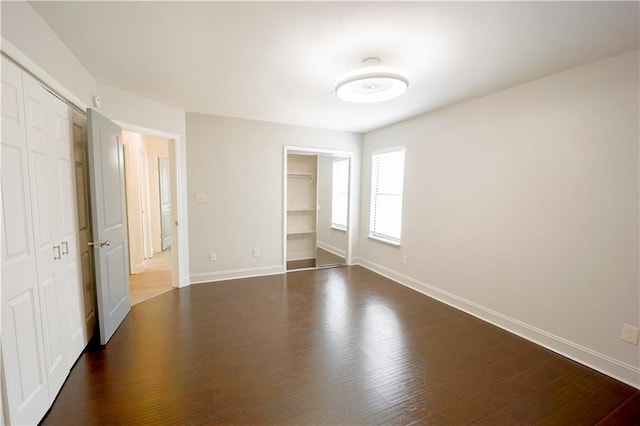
point(155, 280)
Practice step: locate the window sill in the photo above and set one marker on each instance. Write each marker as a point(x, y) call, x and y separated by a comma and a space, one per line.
point(384, 240)
point(338, 229)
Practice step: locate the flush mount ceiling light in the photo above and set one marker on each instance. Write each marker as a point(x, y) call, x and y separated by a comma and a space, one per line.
point(371, 83)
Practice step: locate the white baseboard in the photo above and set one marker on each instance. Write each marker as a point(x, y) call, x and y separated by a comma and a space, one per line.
point(331, 249)
point(233, 274)
point(619, 370)
point(184, 281)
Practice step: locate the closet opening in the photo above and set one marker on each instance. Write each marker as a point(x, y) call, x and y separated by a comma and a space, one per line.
point(316, 208)
point(148, 194)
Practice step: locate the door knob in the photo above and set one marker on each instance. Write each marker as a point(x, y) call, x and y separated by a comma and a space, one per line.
point(100, 243)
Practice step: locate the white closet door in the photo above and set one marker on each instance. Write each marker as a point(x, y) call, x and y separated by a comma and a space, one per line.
point(46, 219)
point(68, 268)
point(27, 393)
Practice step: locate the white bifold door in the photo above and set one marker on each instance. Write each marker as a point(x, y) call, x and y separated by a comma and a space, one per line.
point(43, 327)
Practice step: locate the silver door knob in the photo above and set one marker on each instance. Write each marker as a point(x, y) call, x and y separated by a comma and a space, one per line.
point(100, 243)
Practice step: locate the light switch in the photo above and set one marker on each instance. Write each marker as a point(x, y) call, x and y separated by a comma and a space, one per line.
point(201, 197)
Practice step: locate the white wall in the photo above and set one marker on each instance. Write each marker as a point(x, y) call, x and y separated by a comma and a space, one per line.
point(239, 164)
point(25, 29)
point(3, 420)
point(329, 239)
point(129, 108)
point(522, 208)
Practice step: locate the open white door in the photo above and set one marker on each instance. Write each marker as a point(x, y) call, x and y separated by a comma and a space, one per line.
point(106, 176)
point(165, 202)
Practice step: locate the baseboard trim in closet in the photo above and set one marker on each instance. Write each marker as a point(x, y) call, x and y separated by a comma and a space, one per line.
point(331, 249)
point(233, 274)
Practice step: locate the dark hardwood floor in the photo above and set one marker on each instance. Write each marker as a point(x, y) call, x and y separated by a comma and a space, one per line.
point(292, 265)
point(330, 346)
point(323, 259)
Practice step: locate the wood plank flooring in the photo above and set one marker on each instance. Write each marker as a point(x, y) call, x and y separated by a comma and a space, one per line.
point(155, 280)
point(323, 258)
point(328, 346)
point(292, 265)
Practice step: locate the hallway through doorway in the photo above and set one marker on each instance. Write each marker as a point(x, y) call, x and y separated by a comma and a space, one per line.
point(155, 280)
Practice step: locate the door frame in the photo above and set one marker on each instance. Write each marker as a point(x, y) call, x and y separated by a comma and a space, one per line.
point(292, 149)
point(177, 175)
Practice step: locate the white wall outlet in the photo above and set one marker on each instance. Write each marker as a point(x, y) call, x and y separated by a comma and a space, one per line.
point(404, 259)
point(201, 197)
point(212, 256)
point(630, 334)
point(256, 252)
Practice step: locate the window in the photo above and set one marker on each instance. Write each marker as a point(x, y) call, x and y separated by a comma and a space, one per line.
point(340, 194)
point(387, 181)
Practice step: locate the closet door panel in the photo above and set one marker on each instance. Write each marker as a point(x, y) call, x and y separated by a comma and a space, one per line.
point(89, 296)
point(74, 295)
point(17, 236)
point(84, 226)
point(25, 323)
point(45, 199)
point(42, 211)
point(23, 357)
point(26, 381)
point(49, 288)
point(63, 160)
point(68, 267)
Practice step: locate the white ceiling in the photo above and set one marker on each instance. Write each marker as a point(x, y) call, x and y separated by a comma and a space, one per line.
point(279, 61)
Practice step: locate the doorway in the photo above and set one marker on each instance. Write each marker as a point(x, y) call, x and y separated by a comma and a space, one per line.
point(316, 208)
point(147, 177)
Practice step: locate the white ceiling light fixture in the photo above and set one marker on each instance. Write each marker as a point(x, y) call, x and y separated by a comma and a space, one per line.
point(371, 83)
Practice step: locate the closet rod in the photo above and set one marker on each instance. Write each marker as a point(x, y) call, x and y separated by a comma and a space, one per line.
point(46, 87)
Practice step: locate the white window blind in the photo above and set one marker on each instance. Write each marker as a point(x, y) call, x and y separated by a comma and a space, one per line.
point(387, 181)
point(340, 194)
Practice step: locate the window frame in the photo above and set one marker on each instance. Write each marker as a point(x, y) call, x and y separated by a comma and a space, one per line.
point(373, 234)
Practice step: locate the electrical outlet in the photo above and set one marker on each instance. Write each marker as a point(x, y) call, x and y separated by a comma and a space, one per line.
point(630, 334)
point(201, 197)
point(404, 259)
point(212, 256)
point(256, 252)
